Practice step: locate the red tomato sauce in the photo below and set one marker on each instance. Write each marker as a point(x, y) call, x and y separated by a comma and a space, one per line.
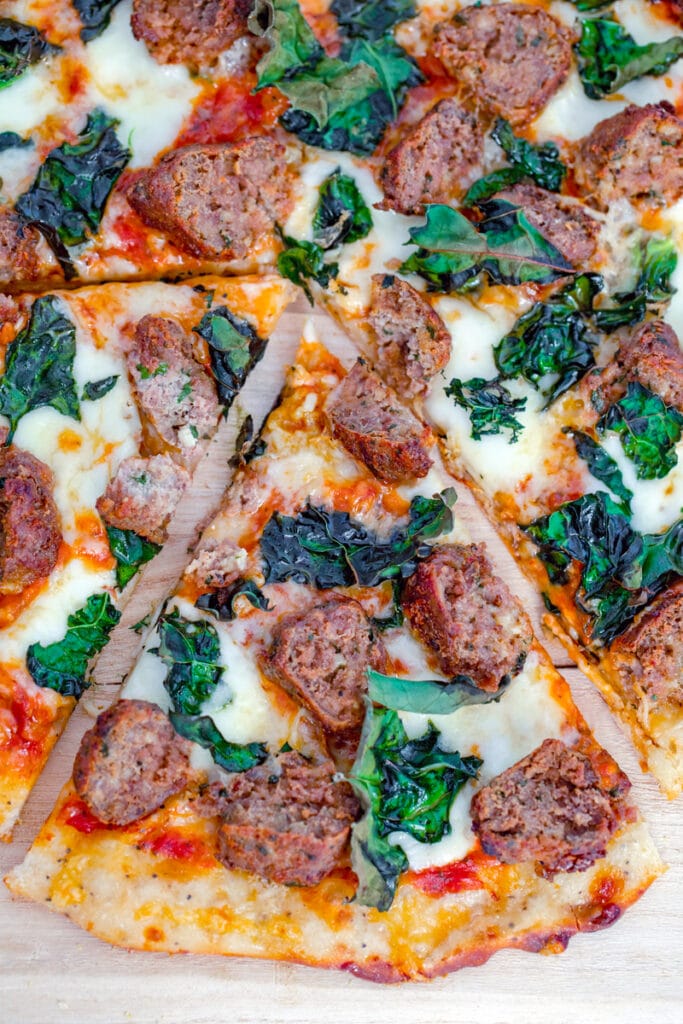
point(230, 112)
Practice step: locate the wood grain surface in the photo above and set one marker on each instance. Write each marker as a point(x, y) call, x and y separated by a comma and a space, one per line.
point(51, 971)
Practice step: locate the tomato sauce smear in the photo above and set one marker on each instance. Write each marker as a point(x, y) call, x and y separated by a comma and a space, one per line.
point(231, 111)
point(461, 876)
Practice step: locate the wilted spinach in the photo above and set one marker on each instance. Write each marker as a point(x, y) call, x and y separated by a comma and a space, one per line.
point(602, 466)
point(10, 140)
point(540, 163)
point(20, 46)
point(490, 405)
point(649, 430)
point(608, 57)
point(221, 602)
point(234, 349)
point(94, 15)
point(96, 389)
point(191, 651)
point(233, 757)
point(62, 666)
point(342, 214)
point(39, 365)
point(302, 261)
point(453, 254)
point(371, 19)
point(428, 696)
point(655, 262)
point(131, 552)
point(329, 549)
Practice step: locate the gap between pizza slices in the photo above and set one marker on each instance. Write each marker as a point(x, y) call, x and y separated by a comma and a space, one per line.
point(279, 777)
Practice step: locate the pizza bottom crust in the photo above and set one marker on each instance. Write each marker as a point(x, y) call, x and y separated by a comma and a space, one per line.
point(110, 886)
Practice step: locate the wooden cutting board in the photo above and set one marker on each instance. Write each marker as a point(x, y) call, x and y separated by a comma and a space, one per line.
point(51, 971)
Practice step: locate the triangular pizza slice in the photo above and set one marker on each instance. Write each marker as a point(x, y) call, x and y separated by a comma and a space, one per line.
point(108, 398)
point(342, 744)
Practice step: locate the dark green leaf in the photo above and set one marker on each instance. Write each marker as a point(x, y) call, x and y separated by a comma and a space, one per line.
point(550, 346)
point(406, 786)
point(590, 5)
point(649, 430)
point(221, 602)
point(292, 44)
point(371, 19)
point(67, 199)
point(540, 163)
point(130, 551)
point(662, 557)
point(428, 696)
point(191, 651)
point(247, 447)
point(341, 215)
point(486, 187)
point(329, 549)
point(20, 47)
point(655, 263)
point(62, 666)
point(608, 57)
point(302, 261)
point(234, 349)
point(94, 15)
point(233, 757)
point(453, 253)
point(10, 140)
point(396, 71)
point(395, 617)
point(490, 405)
point(95, 389)
point(602, 466)
point(39, 365)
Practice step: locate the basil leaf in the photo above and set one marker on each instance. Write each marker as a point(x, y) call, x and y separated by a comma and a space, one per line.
point(490, 405)
point(541, 163)
point(550, 346)
point(428, 696)
point(67, 199)
point(95, 16)
point(608, 57)
point(20, 46)
point(602, 466)
point(453, 253)
point(655, 263)
point(406, 786)
point(233, 757)
point(649, 430)
point(10, 140)
point(191, 651)
point(342, 214)
point(372, 19)
point(131, 552)
point(221, 602)
point(234, 349)
point(329, 549)
point(302, 261)
point(62, 666)
point(39, 366)
point(95, 389)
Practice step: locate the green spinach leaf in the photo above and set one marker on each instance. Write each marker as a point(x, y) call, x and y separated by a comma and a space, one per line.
point(342, 214)
point(20, 46)
point(10, 140)
point(550, 346)
point(371, 19)
point(191, 651)
point(649, 430)
point(329, 549)
point(655, 263)
point(67, 199)
point(221, 602)
point(131, 552)
point(406, 786)
point(428, 696)
point(453, 254)
point(95, 389)
point(602, 466)
point(490, 405)
point(233, 757)
point(302, 261)
point(234, 349)
point(62, 666)
point(292, 46)
point(608, 57)
point(94, 15)
point(39, 365)
point(541, 163)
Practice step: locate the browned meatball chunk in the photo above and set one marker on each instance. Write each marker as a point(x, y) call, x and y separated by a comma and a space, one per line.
point(366, 416)
point(175, 394)
point(435, 162)
point(130, 762)
point(467, 616)
point(216, 201)
point(286, 820)
point(30, 528)
point(552, 807)
point(565, 224)
point(648, 657)
point(19, 256)
point(192, 32)
point(321, 658)
point(413, 343)
point(635, 155)
point(511, 58)
point(143, 495)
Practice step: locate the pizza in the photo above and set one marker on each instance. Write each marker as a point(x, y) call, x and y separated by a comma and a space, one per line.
point(281, 778)
point(108, 399)
point(343, 744)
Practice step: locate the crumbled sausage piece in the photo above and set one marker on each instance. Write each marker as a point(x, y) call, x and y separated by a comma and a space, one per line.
point(30, 527)
point(143, 494)
point(19, 253)
point(648, 657)
point(192, 32)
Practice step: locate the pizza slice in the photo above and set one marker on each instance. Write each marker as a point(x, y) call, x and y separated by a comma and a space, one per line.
point(343, 745)
point(108, 399)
